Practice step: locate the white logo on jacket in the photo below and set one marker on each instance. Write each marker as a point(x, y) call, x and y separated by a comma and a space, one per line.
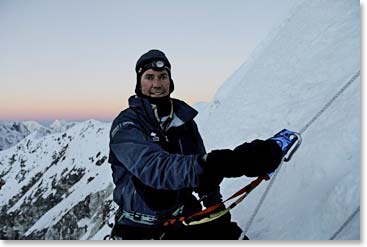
point(154, 136)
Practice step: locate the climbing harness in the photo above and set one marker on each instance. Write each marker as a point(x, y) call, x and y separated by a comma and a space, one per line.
point(217, 210)
point(113, 226)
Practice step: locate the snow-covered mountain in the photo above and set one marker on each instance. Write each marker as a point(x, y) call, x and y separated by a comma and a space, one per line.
point(61, 126)
point(32, 125)
point(37, 130)
point(11, 132)
point(59, 186)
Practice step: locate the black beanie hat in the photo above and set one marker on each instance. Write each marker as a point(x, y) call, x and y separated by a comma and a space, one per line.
point(143, 64)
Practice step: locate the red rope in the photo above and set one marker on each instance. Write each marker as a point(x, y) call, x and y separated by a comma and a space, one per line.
point(247, 189)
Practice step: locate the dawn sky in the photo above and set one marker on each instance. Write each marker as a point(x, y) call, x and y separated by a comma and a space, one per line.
point(75, 59)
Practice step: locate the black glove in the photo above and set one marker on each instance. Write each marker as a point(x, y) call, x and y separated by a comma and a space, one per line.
point(251, 159)
point(209, 181)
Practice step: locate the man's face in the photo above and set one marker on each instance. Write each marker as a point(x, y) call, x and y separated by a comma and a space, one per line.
point(154, 83)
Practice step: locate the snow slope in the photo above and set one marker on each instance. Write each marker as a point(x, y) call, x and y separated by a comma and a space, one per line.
point(313, 54)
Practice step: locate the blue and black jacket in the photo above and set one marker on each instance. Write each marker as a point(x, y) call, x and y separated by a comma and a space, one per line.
point(156, 168)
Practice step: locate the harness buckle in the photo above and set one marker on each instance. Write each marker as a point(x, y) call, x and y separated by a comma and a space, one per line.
point(137, 216)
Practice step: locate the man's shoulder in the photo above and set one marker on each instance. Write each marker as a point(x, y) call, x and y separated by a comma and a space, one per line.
point(183, 110)
point(126, 114)
point(125, 118)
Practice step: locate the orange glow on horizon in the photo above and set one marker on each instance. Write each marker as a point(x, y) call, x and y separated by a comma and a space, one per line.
point(73, 109)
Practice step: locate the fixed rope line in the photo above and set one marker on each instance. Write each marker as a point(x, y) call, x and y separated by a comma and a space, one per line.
point(327, 105)
point(345, 224)
point(307, 125)
point(249, 223)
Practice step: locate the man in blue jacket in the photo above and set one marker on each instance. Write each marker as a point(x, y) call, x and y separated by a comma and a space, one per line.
point(158, 160)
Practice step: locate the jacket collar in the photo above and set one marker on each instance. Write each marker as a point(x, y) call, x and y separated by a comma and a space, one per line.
point(181, 109)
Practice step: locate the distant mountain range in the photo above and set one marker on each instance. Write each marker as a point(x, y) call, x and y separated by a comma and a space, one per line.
point(12, 132)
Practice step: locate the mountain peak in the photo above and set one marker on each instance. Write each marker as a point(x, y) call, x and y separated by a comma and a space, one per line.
point(61, 125)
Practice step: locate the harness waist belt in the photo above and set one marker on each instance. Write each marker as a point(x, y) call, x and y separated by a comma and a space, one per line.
point(141, 218)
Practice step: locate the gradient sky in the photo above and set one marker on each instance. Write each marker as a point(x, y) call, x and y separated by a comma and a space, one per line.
point(75, 59)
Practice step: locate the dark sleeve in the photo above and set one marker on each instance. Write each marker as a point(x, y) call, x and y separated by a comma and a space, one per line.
point(148, 162)
point(210, 194)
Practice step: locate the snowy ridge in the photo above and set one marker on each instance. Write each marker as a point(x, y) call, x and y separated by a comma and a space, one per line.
point(11, 132)
point(237, 77)
point(32, 125)
point(62, 182)
point(61, 126)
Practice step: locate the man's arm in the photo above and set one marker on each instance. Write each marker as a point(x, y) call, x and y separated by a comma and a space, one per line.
point(148, 162)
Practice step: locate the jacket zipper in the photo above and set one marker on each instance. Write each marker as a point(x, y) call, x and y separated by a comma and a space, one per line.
point(180, 143)
point(132, 200)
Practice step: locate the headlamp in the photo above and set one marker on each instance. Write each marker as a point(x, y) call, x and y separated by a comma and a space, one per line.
point(156, 65)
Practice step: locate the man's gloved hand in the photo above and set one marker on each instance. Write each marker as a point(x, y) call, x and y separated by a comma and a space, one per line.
point(251, 159)
point(285, 139)
point(210, 180)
